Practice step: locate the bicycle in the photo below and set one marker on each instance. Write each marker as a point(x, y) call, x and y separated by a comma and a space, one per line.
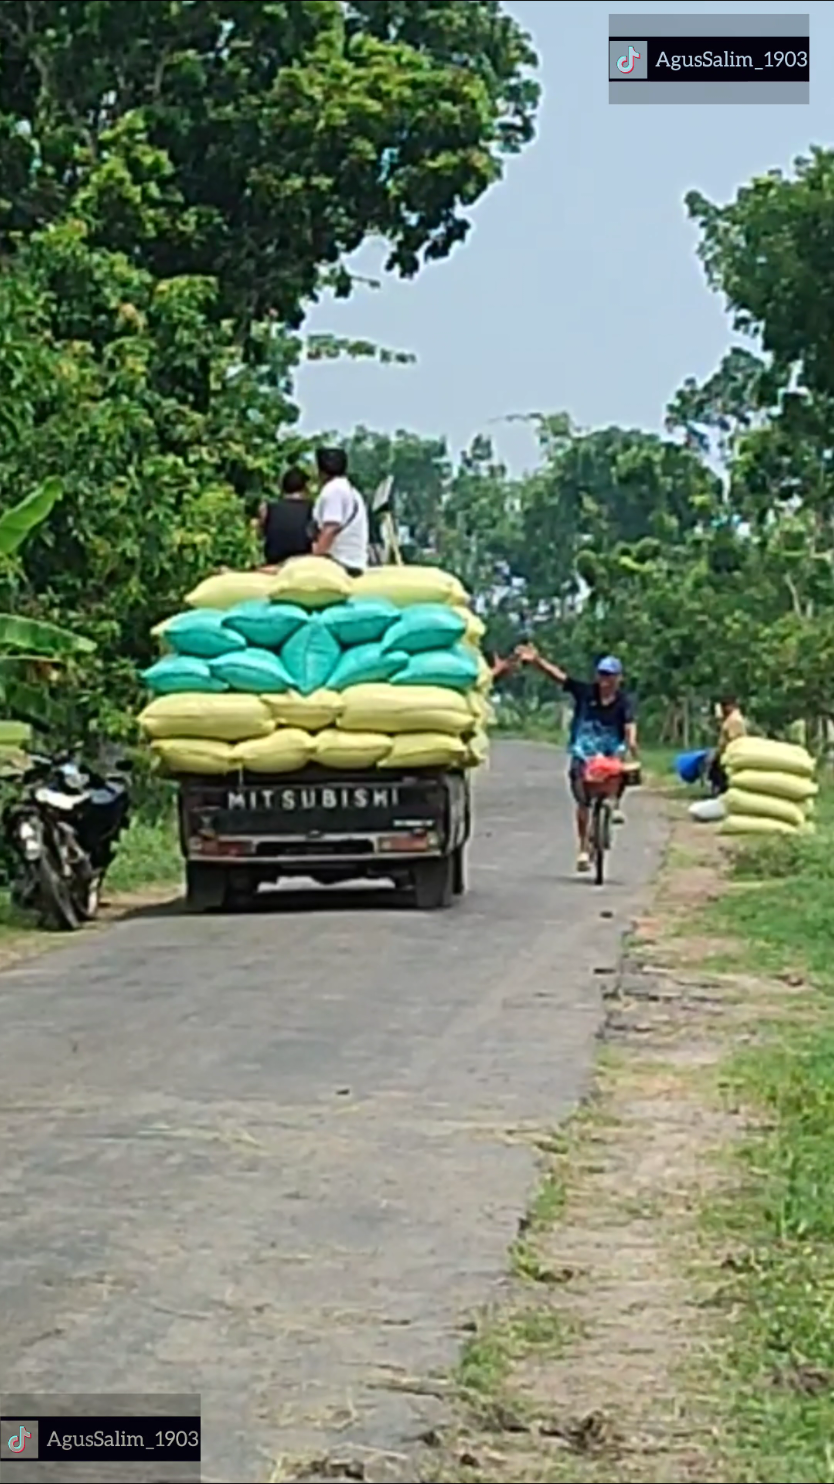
point(604, 779)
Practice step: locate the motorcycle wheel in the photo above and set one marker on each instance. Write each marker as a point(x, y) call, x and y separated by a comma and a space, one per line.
point(57, 909)
point(86, 897)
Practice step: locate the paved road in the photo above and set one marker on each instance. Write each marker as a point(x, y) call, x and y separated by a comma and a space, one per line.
point(270, 1157)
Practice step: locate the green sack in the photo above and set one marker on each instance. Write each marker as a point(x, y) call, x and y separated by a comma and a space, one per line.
point(360, 620)
point(253, 670)
point(266, 625)
point(456, 669)
point(310, 657)
point(202, 634)
point(179, 672)
point(426, 626)
point(366, 664)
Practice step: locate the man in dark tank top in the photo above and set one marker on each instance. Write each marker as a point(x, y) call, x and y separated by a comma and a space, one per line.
point(285, 524)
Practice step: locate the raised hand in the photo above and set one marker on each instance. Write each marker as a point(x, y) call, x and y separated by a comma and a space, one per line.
point(526, 653)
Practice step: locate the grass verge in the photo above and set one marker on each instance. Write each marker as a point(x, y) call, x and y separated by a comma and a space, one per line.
point(679, 1250)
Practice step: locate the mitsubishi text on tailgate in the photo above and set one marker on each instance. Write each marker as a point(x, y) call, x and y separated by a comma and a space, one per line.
point(241, 832)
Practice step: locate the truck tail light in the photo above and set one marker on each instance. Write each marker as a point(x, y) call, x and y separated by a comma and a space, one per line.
point(408, 844)
point(213, 849)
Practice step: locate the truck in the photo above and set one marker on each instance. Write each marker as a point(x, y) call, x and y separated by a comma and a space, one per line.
point(241, 831)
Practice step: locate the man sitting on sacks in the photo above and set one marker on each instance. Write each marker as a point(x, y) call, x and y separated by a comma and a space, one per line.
point(337, 527)
point(340, 516)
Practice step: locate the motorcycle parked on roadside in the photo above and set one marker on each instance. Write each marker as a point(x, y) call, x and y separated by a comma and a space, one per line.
point(62, 829)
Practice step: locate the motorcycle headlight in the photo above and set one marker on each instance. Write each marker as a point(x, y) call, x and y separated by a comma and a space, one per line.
point(30, 840)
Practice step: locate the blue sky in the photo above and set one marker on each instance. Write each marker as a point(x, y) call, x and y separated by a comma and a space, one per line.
point(579, 288)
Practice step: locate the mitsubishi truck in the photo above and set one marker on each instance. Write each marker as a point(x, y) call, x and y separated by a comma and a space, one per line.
point(243, 831)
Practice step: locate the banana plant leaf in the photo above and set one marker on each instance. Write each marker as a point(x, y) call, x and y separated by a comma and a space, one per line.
point(44, 640)
point(31, 703)
point(17, 523)
point(14, 734)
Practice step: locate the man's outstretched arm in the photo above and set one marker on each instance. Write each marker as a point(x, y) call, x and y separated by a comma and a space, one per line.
point(529, 655)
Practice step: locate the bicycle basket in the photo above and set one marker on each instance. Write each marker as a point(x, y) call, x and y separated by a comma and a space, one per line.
point(603, 774)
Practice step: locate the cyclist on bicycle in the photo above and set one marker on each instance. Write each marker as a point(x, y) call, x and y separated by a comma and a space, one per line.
point(603, 724)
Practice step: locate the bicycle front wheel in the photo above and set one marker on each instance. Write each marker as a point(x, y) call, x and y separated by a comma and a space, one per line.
point(600, 838)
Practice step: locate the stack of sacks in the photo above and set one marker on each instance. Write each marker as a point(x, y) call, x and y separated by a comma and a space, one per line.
point(772, 788)
point(270, 672)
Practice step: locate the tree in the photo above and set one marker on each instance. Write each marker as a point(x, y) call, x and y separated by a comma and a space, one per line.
point(421, 470)
point(258, 143)
point(771, 253)
point(30, 650)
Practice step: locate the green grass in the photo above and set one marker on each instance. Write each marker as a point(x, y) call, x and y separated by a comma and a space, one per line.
point(780, 1222)
point(148, 855)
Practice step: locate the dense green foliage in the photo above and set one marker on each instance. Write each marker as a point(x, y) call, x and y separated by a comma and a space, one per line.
point(177, 182)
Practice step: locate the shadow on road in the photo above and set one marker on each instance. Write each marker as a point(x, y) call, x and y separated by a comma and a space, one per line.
point(288, 900)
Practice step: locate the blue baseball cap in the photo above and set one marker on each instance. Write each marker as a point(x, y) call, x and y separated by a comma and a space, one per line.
point(610, 665)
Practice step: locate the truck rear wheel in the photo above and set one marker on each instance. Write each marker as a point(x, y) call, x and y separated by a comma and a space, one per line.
point(205, 886)
point(434, 883)
point(241, 888)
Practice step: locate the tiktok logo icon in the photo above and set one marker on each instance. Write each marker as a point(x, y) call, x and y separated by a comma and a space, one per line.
point(18, 1443)
point(625, 64)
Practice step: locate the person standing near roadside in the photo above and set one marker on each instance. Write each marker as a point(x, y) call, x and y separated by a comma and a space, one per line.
point(732, 726)
point(285, 524)
point(340, 515)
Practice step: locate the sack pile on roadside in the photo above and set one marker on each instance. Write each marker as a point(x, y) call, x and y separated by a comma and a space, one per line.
point(772, 788)
point(273, 672)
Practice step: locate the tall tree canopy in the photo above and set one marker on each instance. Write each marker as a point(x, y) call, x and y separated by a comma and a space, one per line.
point(258, 142)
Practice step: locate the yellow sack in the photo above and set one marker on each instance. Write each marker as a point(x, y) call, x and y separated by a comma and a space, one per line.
point(781, 785)
point(190, 755)
point(227, 589)
point(285, 751)
point(752, 824)
point(426, 750)
point(312, 713)
point(763, 806)
point(311, 582)
point(221, 718)
point(477, 750)
point(484, 681)
point(336, 749)
point(482, 709)
point(769, 757)
point(407, 585)
point(475, 628)
point(405, 708)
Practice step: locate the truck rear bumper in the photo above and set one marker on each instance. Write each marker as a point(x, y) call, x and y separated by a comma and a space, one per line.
point(383, 850)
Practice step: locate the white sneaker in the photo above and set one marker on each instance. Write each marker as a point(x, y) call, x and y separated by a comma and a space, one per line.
point(583, 861)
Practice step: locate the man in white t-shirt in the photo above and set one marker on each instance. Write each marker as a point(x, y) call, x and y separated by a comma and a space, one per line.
point(339, 514)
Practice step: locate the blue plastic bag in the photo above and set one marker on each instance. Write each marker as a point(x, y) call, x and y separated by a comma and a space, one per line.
point(366, 664)
point(689, 765)
point(310, 657)
point(181, 672)
point(265, 625)
point(426, 626)
point(201, 634)
point(360, 620)
point(252, 670)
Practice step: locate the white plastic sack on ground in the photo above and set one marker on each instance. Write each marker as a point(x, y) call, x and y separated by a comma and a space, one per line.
point(708, 811)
